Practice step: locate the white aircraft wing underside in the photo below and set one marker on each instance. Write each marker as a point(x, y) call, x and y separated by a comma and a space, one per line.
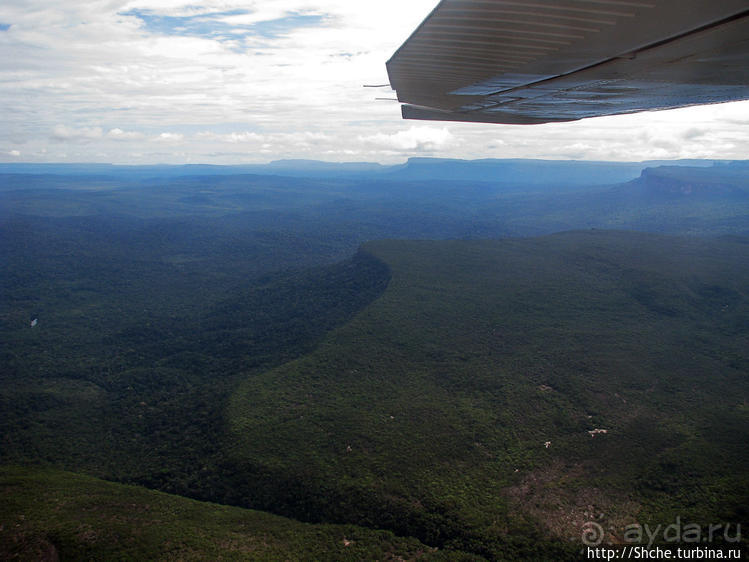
point(540, 61)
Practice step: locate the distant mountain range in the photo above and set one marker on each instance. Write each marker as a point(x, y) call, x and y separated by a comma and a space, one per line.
point(508, 172)
point(423, 198)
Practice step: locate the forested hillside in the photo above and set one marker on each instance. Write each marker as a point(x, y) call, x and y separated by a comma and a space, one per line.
point(425, 358)
point(522, 384)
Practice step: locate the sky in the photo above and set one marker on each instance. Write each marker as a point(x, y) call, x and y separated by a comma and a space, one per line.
point(233, 82)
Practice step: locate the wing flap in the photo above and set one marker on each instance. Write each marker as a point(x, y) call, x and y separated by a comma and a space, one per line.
point(539, 61)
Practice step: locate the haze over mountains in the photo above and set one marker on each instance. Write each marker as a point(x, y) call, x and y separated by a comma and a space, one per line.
point(422, 198)
point(382, 352)
point(526, 172)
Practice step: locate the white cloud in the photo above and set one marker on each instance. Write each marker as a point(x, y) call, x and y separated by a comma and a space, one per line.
point(71, 134)
point(77, 73)
point(417, 139)
point(170, 137)
point(234, 138)
point(119, 134)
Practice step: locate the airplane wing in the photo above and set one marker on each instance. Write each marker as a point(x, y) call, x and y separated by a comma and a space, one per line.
point(540, 61)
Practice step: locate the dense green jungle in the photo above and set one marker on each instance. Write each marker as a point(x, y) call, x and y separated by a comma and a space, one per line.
point(445, 360)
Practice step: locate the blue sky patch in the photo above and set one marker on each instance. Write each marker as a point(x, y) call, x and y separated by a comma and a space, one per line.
point(4, 26)
point(210, 26)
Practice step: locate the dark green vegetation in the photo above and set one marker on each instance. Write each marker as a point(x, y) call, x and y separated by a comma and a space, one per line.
point(432, 406)
point(126, 371)
point(220, 337)
point(50, 515)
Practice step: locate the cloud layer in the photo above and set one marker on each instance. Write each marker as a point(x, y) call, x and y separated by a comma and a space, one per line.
point(140, 81)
